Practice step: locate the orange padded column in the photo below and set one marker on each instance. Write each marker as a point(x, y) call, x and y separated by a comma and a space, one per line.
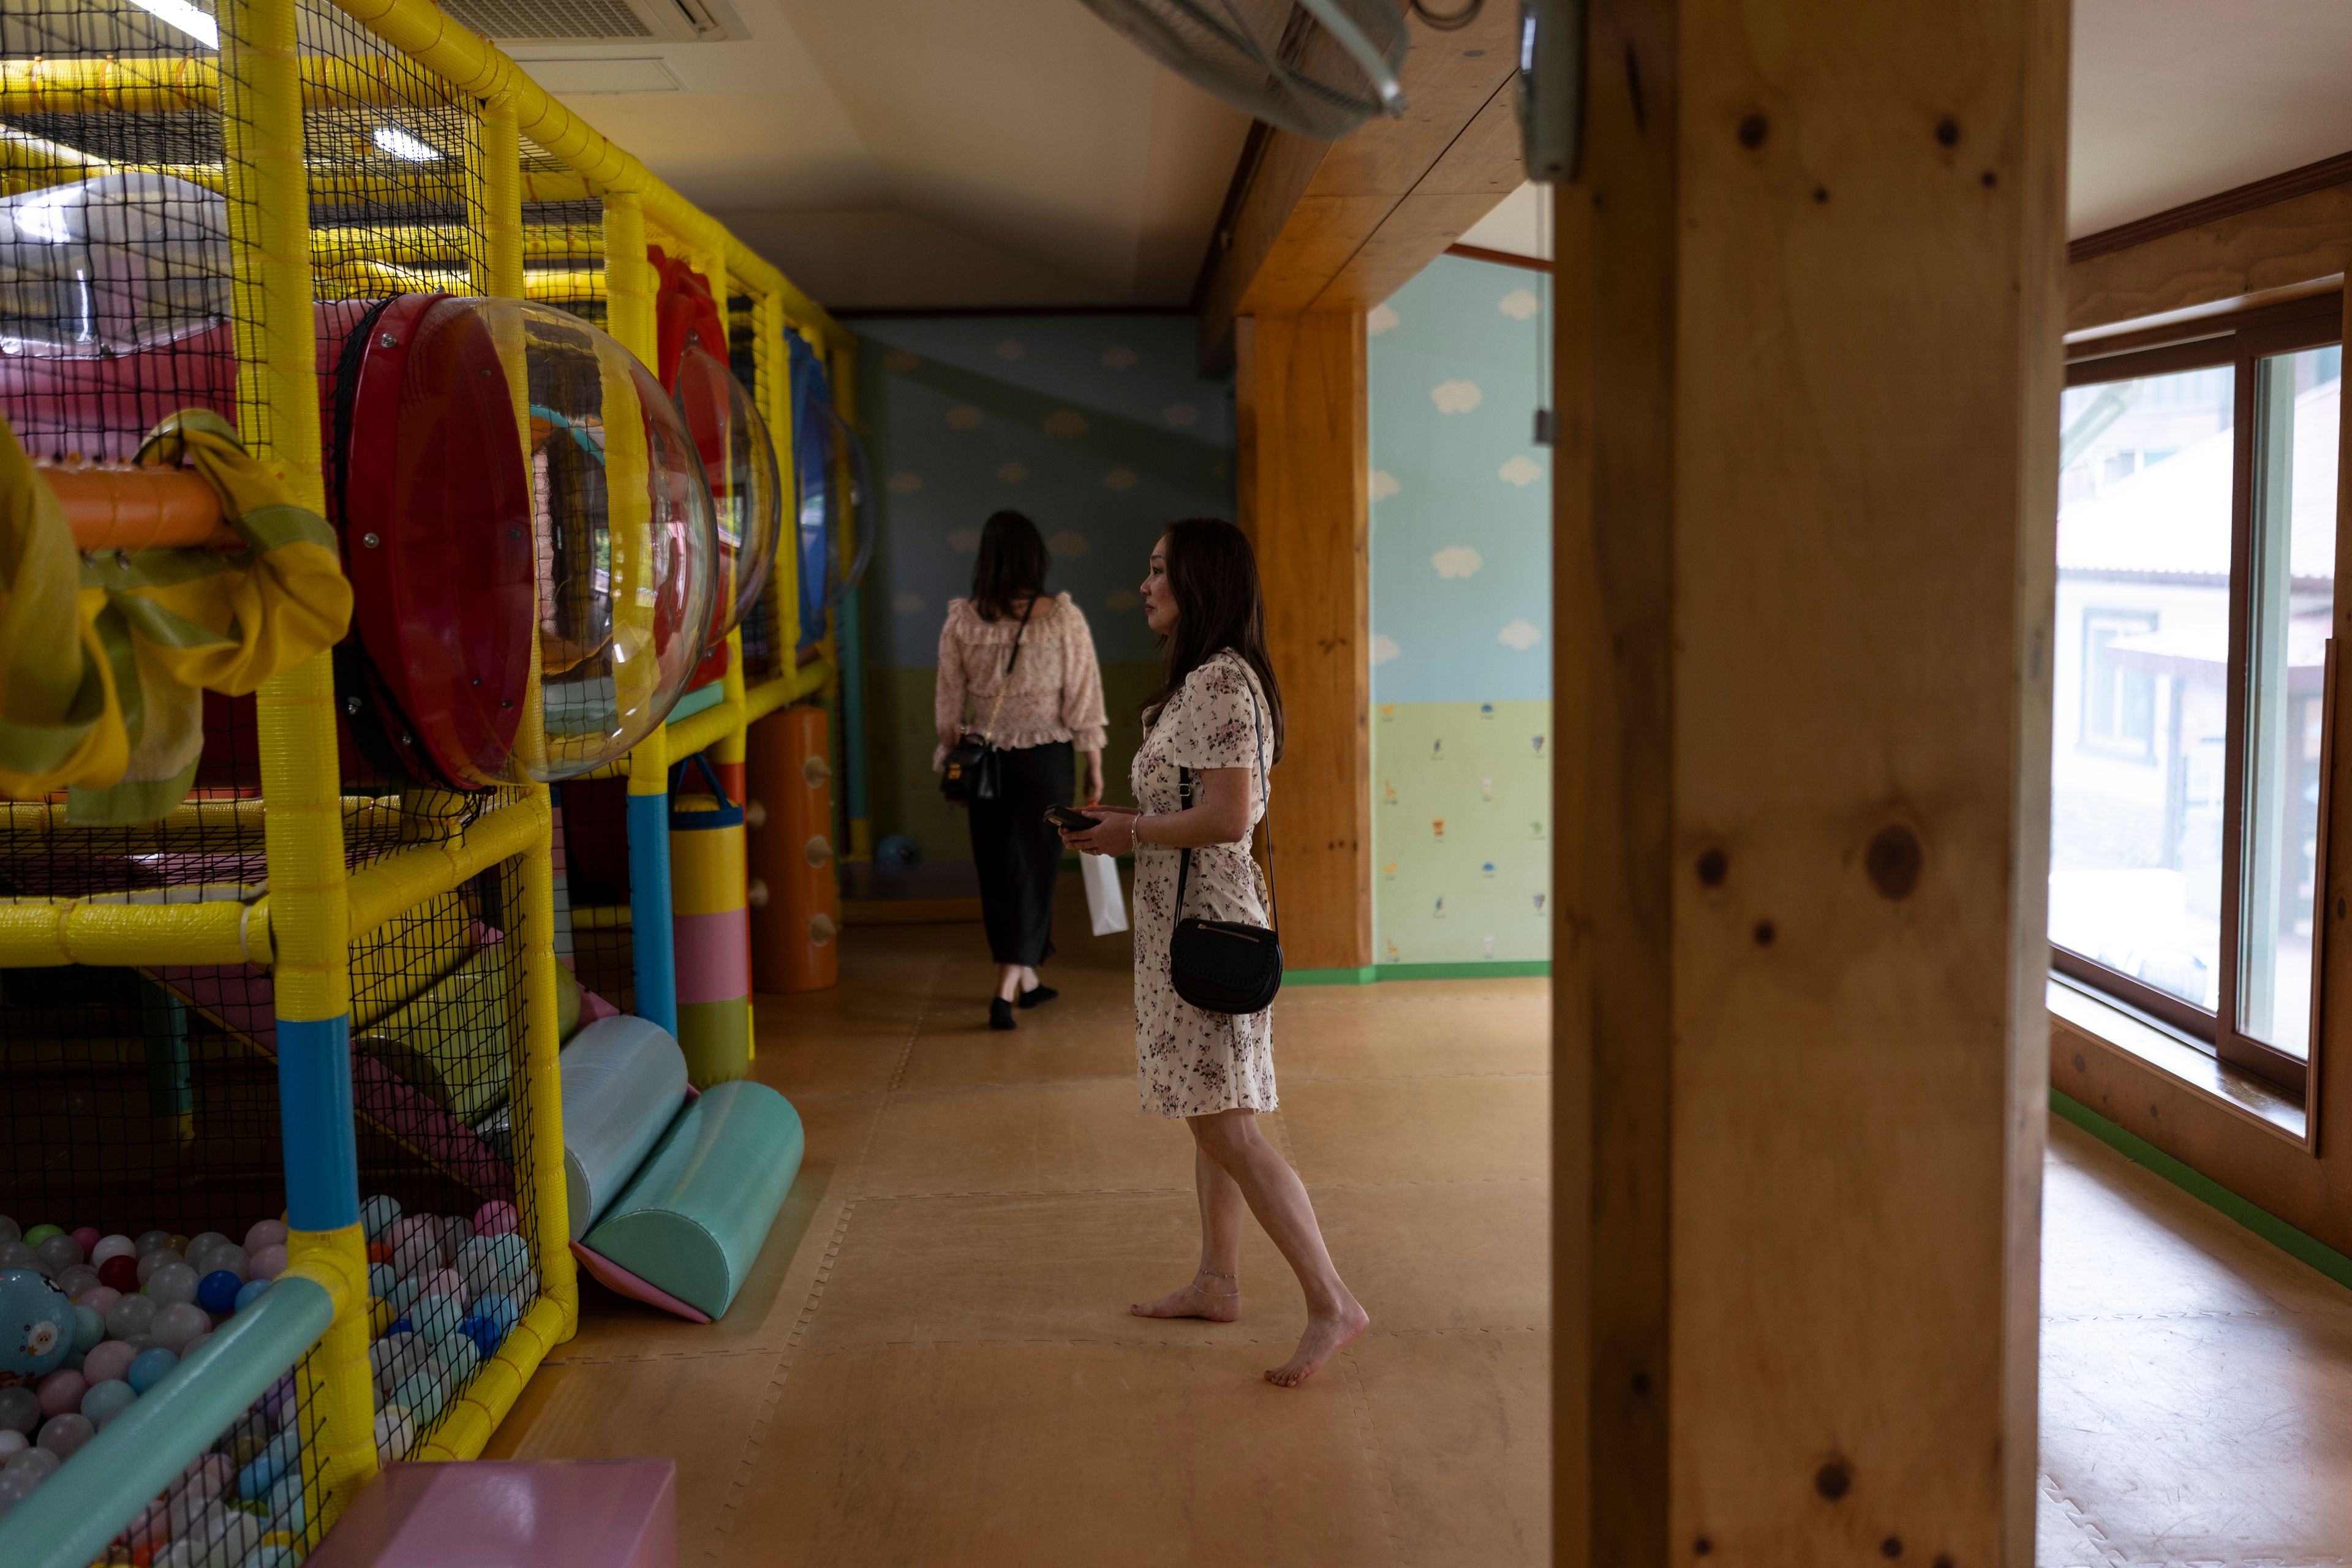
point(795, 902)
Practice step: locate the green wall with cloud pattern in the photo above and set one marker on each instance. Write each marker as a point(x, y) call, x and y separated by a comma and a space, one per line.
point(1460, 579)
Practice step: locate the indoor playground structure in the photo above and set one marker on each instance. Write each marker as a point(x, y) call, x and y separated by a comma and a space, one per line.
point(412, 512)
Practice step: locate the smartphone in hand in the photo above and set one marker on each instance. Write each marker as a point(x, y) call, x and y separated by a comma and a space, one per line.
point(1063, 816)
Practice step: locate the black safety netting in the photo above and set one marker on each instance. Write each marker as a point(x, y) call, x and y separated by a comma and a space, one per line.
point(142, 1109)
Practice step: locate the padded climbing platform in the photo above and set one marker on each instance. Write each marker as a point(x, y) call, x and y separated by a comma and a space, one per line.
point(624, 1081)
point(698, 1212)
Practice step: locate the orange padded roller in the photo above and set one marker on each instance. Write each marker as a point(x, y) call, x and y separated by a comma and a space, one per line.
point(795, 902)
point(139, 509)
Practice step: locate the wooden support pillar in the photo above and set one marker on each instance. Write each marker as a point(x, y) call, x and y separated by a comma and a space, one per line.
point(1808, 305)
point(1303, 490)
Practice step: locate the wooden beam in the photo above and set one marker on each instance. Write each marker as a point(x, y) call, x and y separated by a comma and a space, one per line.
point(1302, 210)
point(1809, 295)
point(2241, 257)
point(1304, 490)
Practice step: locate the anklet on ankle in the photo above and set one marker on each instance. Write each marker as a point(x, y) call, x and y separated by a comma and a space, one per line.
point(1213, 1274)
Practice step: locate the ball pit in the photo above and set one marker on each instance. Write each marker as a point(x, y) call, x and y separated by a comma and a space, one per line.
point(129, 1309)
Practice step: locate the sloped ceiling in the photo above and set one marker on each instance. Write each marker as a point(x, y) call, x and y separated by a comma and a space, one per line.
point(977, 153)
point(935, 154)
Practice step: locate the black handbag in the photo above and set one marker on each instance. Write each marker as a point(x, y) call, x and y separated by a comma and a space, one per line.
point(1226, 966)
point(973, 769)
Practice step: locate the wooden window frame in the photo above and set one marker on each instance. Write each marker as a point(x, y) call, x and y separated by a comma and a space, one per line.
point(2240, 340)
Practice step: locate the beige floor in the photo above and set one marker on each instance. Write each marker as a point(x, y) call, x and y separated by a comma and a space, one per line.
point(933, 1365)
point(933, 1362)
point(2195, 1381)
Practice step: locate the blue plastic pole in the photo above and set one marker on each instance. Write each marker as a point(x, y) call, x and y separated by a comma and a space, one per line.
point(656, 960)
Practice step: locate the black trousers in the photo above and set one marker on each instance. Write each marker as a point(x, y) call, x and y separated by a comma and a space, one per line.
point(1018, 853)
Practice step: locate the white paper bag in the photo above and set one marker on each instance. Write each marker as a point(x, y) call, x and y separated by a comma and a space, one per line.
point(1105, 901)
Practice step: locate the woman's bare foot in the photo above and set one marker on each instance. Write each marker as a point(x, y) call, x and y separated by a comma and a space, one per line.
point(1192, 1301)
point(1321, 1342)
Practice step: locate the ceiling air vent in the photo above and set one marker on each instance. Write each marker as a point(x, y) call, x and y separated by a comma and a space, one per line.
point(596, 21)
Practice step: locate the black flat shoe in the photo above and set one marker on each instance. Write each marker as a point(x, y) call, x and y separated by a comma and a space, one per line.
point(999, 1014)
point(1038, 995)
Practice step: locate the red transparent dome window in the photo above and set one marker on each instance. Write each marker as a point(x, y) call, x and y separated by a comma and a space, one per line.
point(596, 528)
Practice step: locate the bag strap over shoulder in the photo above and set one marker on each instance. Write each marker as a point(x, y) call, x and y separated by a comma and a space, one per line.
point(1265, 793)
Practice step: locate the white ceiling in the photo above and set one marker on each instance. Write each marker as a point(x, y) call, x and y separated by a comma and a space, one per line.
point(2174, 100)
point(935, 152)
point(945, 153)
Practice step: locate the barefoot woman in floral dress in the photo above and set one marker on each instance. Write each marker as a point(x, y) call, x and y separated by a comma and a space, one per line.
point(1219, 714)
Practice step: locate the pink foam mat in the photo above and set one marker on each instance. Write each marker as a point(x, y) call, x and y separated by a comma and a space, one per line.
point(636, 1286)
point(511, 1513)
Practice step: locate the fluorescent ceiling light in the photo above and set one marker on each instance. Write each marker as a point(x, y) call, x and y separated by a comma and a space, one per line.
point(185, 17)
point(400, 144)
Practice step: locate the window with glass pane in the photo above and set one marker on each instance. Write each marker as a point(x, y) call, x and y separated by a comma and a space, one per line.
point(2291, 599)
point(2138, 785)
point(2197, 525)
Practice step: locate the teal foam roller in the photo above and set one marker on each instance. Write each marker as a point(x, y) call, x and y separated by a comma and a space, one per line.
point(624, 1080)
point(698, 1212)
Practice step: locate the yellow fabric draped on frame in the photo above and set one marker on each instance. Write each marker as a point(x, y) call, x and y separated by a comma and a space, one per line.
point(104, 661)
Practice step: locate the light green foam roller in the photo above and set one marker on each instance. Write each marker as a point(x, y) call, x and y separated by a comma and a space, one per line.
point(624, 1080)
point(698, 1212)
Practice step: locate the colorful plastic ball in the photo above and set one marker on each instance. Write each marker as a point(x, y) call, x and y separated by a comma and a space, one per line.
point(377, 1214)
point(89, 1328)
point(41, 1232)
point(75, 1278)
point(109, 1363)
point(216, 1292)
point(87, 1235)
point(268, 1263)
point(151, 1367)
point(97, 1299)
point(160, 1258)
point(277, 1398)
point(39, 1319)
point(253, 1482)
point(497, 1218)
point(400, 1326)
point(394, 1433)
point(113, 1246)
point(459, 1355)
point(178, 1323)
point(14, 1488)
point(104, 1401)
point(11, 1440)
point(171, 1284)
point(120, 1273)
point(40, 1461)
point(248, 1293)
point(149, 1240)
point(203, 1241)
point(196, 1344)
point(57, 1253)
point(64, 1434)
point(61, 1391)
point(8, 1229)
point(131, 1316)
point(16, 1255)
point(264, 1233)
point(20, 1409)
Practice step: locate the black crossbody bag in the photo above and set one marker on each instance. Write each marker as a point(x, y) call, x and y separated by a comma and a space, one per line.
point(974, 769)
point(1227, 967)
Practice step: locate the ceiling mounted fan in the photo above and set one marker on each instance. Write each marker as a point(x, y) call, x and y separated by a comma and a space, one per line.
point(1316, 68)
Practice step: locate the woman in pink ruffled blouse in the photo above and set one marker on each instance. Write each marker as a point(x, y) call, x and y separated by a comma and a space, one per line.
point(1042, 714)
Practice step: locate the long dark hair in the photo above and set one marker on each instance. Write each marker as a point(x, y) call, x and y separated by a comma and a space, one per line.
point(1212, 571)
point(1011, 565)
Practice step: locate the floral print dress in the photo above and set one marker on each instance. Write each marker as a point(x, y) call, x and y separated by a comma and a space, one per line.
point(1189, 1062)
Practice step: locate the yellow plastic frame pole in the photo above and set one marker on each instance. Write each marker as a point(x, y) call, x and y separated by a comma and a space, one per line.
point(261, 98)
